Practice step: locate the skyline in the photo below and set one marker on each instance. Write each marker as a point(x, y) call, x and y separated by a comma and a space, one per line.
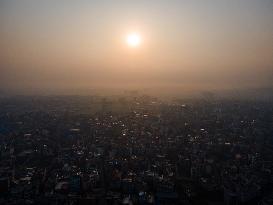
point(188, 45)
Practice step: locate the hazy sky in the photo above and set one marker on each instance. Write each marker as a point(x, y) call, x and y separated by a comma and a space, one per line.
point(68, 44)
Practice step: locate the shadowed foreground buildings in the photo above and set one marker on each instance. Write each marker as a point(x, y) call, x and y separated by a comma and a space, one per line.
point(135, 149)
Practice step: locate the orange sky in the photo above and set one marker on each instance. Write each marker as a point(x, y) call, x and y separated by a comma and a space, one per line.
point(82, 44)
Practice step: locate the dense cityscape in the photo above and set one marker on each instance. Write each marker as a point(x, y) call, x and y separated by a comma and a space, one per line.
point(135, 149)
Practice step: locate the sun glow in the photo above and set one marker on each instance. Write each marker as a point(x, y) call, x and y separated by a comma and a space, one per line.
point(133, 40)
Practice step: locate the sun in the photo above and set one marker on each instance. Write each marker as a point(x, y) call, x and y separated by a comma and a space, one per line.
point(133, 39)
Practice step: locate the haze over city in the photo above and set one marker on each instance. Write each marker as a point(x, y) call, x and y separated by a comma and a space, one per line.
point(145, 102)
point(70, 46)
